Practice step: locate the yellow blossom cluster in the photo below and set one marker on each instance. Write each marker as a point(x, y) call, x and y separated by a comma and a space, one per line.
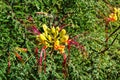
point(53, 37)
point(114, 16)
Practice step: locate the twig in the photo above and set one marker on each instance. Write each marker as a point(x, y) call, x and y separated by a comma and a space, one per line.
point(106, 35)
point(114, 32)
point(103, 51)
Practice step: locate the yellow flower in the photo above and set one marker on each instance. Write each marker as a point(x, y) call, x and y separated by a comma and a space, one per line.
point(115, 10)
point(45, 28)
point(57, 31)
point(57, 28)
point(60, 48)
point(42, 37)
point(57, 43)
point(119, 12)
point(49, 38)
point(53, 30)
point(54, 38)
point(113, 17)
point(64, 39)
point(63, 32)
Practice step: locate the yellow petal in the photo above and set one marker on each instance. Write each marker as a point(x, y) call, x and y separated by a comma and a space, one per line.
point(119, 12)
point(49, 38)
point(57, 28)
point(63, 31)
point(61, 48)
point(57, 31)
point(114, 16)
point(57, 43)
point(53, 30)
point(116, 10)
point(64, 39)
point(42, 37)
point(45, 27)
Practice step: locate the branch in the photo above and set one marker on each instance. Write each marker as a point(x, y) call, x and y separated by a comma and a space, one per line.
point(103, 51)
point(114, 32)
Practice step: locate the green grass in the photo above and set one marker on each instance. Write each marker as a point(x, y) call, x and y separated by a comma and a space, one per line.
point(82, 17)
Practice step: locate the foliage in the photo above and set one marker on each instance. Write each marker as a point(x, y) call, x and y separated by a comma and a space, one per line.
point(84, 20)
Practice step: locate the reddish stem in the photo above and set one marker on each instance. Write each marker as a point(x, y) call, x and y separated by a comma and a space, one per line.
point(44, 61)
point(36, 54)
point(106, 35)
point(65, 65)
point(40, 60)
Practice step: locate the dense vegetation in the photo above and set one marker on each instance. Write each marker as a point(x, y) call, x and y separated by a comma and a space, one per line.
point(85, 21)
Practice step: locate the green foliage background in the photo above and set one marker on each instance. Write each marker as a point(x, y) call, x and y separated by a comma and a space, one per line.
point(83, 16)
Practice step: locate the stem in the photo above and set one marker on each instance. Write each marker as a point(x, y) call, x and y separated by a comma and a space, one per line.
point(44, 61)
point(106, 35)
point(103, 51)
point(65, 66)
point(114, 32)
point(107, 38)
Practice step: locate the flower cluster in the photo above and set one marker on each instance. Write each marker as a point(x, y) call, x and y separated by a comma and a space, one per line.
point(114, 16)
point(54, 38)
